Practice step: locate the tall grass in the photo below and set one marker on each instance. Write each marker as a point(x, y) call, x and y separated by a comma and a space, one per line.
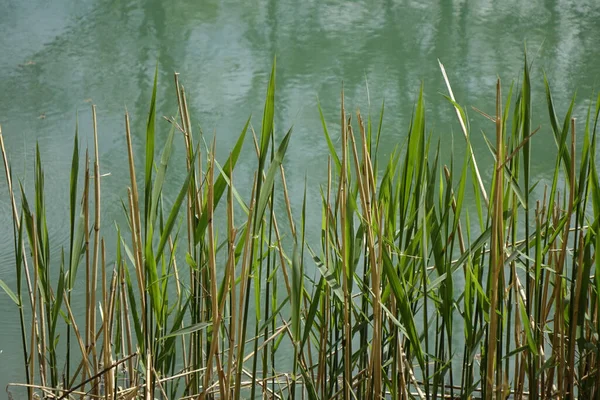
point(404, 269)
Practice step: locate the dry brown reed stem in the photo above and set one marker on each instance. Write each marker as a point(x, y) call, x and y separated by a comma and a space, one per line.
point(104, 313)
point(48, 391)
point(160, 385)
point(497, 251)
point(171, 245)
point(184, 356)
point(367, 162)
point(189, 214)
point(520, 362)
point(574, 321)
point(293, 230)
point(148, 390)
point(554, 214)
point(189, 209)
point(126, 321)
point(363, 178)
point(569, 365)
point(94, 282)
point(135, 219)
point(559, 328)
point(403, 368)
point(539, 213)
point(85, 363)
point(89, 333)
point(106, 326)
point(546, 304)
point(261, 382)
point(243, 283)
point(112, 366)
point(112, 298)
point(466, 134)
point(343, 189)
point(194, 210)
point(34, 324)
point(136, 248)
point(182, 116)
point(285, 327)
point(518, 148)
point(189, 140)
point(519, 293)
point(281, 257)
point(232, 233)
point(322, 347)
point(216, 313)
point(186, 119)
point(139, 268)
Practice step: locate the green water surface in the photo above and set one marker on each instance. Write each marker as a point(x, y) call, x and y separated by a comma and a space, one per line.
point(58, 57)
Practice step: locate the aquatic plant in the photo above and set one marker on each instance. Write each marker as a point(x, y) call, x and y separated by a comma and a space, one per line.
point(409, 294)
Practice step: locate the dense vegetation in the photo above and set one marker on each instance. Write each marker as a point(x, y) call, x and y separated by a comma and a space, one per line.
point(408, 294)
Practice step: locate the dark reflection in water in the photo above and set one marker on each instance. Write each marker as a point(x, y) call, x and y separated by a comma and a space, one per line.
point(60, 56)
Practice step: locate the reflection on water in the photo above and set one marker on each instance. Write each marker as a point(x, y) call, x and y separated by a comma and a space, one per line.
point(60, 56)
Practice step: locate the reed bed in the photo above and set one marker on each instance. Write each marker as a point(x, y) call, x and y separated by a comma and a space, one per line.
point(403, 270)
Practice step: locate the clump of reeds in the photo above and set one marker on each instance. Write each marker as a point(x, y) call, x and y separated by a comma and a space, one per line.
point(403, 268)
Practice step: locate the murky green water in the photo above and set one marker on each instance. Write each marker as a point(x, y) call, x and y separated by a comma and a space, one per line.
point(57, 57)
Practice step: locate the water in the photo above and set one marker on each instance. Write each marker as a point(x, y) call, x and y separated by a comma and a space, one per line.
point(58, 57)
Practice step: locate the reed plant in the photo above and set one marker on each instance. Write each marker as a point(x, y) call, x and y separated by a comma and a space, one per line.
point(409, 293)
